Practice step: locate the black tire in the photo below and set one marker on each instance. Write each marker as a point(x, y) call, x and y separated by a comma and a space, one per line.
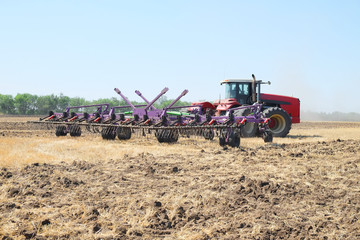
point(60, 131)
point(267, 136)
point(208, 134)
point(280, 121)
point(167, 135)
point(75, 131)
point(108, 133)
point(222, 137)
point(104, 133)
point(123, 133)
point(222, 141)
point(250, 128)
point(234, 140)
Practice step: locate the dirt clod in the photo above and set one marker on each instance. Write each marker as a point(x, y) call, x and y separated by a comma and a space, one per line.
point(157, 204)
point(96, 228)
point(46, 222)
point(13, 192)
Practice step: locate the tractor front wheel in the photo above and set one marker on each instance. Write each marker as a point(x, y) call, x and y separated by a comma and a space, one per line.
point(280, 121)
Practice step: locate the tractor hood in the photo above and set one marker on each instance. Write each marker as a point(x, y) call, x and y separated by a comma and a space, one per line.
point(278, 99)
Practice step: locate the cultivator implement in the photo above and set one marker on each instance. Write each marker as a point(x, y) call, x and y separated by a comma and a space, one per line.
point(168, 124)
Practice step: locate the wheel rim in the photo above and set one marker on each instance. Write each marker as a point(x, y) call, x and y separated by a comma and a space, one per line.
point(277, 123)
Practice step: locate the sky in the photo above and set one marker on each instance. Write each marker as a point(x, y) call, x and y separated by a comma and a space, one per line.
point(307, 49)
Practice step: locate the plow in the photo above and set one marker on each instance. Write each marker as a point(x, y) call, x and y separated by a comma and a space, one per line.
point(167, 124)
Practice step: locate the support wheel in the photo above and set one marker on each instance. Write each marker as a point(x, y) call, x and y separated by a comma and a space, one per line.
point(108, 133)
point(167, 135)
point(123, 133)
point(280, 121)
point(234, 139)
point(75, 131)
point(208, 134)
point(60, 131)
point(267, 136)
point(250, 128)
point(229, 137)
point(222, 137)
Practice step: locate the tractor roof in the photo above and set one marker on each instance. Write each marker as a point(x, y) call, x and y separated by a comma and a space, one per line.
point(242, 81)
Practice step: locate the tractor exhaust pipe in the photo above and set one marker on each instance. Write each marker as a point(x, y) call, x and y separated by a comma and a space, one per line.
point(254, 98)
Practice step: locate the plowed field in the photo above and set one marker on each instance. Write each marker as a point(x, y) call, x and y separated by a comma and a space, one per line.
point(304, 186)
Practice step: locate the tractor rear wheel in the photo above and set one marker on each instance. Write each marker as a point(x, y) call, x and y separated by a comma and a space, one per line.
point(280, 121)
point(250, 128)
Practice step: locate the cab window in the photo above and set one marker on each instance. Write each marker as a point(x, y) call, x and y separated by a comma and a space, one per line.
point(244, 89)
point(230, 90)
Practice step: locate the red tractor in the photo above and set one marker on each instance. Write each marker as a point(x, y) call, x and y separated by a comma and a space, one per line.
point(282, 110)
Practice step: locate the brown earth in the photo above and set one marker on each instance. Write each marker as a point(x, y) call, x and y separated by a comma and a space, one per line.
point(305, 186)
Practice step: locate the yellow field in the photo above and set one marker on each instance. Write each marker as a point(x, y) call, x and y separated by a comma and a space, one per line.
point(303, 186)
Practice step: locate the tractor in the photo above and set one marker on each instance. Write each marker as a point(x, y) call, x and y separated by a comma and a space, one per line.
point(282, 110)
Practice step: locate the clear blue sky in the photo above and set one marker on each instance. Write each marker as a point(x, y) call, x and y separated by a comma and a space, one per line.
point(307, 49)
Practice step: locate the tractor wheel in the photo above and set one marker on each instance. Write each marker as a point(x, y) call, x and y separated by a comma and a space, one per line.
point(60, 131)
point(280, 121)
point(123, 133)
point(250, 128)
point(75, 131)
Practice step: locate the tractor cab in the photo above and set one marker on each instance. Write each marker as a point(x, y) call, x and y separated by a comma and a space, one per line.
point(238, 89)
point(239, 92)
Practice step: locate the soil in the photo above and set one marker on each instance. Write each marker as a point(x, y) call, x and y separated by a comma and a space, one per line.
point(305, 186)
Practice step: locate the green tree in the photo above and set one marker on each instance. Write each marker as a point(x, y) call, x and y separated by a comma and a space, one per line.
point(25, 103)
point(63, 102)
point(7, 104)
point(46, 103)
point(77, 101)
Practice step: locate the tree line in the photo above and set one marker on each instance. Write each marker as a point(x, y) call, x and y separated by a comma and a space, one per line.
point(28, 104)
point(334, 116)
